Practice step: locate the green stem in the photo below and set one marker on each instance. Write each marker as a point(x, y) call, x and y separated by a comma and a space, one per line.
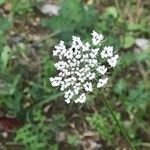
point(143, 144)
point(121, 127)
point(49, 36)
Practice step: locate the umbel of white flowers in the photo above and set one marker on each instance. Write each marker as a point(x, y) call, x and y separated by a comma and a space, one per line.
point(82, 67)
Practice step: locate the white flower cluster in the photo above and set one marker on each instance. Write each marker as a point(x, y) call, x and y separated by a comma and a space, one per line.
point(82, 67)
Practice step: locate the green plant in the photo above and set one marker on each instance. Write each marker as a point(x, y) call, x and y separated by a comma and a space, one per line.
point(101, 125)
point(2, 1)
point(21, 7)
point(112, 23)
point(73, 18)
point(4, 27)
point(72, 140)
point(25, 66)
point(39, 133)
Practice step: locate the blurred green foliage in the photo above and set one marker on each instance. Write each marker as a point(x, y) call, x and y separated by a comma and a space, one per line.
point(24, 74)
point(21, 7)
point(39, 134)
point(73, 18)
point(101, 126)
point(72, 140)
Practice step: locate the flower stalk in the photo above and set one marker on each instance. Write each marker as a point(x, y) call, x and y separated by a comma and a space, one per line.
point(121, 127)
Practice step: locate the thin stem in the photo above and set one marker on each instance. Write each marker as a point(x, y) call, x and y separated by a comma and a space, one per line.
point(143, 144)
point(121, 127)
point(49, 36)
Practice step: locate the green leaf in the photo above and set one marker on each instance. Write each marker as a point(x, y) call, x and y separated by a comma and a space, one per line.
point(111, 11)
point(5, 57)
point(131, 58)
point(65, 21)
point(13, 86)
point(138, 97)
point(134, 26)
point(4, 24)
point(73, 18)
point(120, 87)
point(100, 125)
point(2, 1)
point(128, 41)
point(21, 7)
point(72, 140)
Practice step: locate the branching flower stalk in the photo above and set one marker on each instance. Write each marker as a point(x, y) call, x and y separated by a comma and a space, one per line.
point(84, 66)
